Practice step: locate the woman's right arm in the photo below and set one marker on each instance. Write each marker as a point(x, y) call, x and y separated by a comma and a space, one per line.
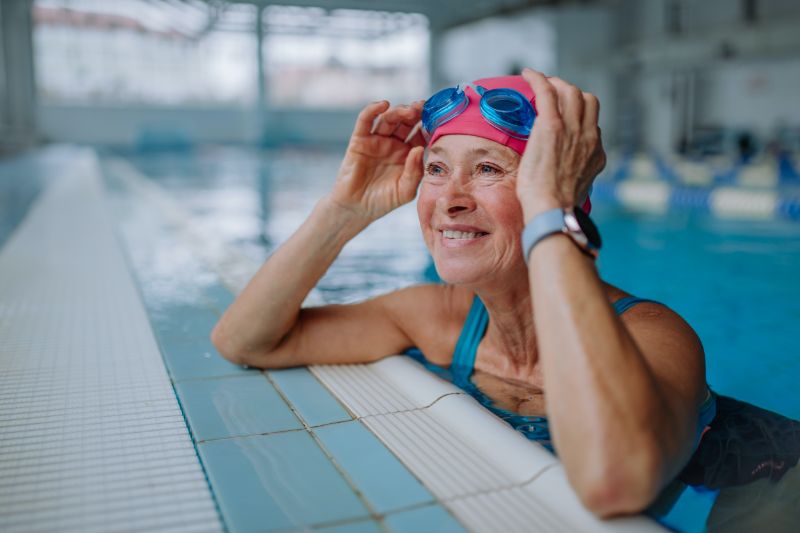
point(265, 326)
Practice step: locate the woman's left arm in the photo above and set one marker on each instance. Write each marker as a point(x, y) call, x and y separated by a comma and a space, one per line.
point(622, 395)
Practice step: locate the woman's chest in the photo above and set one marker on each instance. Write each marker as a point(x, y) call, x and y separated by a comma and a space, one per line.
point(515, 396)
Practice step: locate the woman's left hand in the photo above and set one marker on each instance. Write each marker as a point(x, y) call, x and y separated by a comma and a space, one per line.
point(564, 152)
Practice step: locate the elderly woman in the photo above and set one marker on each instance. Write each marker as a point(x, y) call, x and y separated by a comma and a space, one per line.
point(523, 314)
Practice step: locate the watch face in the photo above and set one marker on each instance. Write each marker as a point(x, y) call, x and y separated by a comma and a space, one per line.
point(588, 228)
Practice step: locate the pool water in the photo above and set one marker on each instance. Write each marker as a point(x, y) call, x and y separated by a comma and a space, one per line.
point(737, 283)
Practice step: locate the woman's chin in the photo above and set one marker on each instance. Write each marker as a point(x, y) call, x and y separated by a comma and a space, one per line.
point(453, 274)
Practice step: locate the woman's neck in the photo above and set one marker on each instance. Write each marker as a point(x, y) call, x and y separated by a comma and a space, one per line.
point(510, 341)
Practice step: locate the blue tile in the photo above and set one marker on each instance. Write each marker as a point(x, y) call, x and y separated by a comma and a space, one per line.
point(197, 358)
point(183, 321)
point(431, 519)
point(354, 527)
point(374, 470)
point(310, 398)
point(229, 407)
point(277, 481)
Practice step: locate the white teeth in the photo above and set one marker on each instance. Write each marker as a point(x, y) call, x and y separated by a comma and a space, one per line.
point(450, 234)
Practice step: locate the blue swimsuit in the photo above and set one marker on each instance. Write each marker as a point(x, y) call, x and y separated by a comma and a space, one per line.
point(533, 427)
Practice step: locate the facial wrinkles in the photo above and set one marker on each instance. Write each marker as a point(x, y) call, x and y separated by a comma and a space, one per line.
point(489, 205)
point(454, 177)
point(466, 177)
point(459, 194)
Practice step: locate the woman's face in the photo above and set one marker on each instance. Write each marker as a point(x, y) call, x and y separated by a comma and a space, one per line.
point(468, 209)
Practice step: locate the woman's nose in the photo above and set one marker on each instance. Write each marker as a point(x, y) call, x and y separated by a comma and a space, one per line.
point(457, 198)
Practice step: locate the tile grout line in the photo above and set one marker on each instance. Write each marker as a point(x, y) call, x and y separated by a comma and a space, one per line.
point(437, 499)
point(513, 486)
point(132, 269)
point(373, 514)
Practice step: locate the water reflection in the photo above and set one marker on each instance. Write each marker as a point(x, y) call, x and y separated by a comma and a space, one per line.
point(265, 194)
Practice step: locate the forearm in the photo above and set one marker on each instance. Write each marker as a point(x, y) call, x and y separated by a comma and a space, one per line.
point(603, 400)
point(268, 307)
point(621, 410)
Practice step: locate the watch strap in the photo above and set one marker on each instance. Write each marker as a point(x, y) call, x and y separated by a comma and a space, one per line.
point(542, 225)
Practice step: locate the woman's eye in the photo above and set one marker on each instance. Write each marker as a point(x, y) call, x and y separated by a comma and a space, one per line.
point(434, 169)
point(488, 169)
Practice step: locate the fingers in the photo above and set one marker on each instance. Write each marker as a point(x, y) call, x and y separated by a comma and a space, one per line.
point(412, 174)
point(367, 116)
point(570, 103)
point(567, 152)
point(591, 113)
point(397, 121)
point(545, 94)
point(579, 110)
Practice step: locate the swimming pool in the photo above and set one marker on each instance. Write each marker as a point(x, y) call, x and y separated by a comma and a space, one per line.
point(735, 282)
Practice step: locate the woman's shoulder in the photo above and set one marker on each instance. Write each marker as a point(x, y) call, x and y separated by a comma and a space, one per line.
point(630, 305)
point(614, 293)
point(431, 316)
point(650, 320)
point(670, 345)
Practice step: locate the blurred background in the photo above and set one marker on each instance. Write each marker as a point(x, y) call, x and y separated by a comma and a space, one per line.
point(698, 77)
point(237, 113)
point(205, 131)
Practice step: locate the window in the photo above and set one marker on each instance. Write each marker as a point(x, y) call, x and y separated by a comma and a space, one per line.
point(344, 58)
point(140, 52)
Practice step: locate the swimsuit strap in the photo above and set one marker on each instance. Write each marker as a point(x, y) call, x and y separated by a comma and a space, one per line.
point(475, 328)
point(623, 304)
point(463, 365)
point(708, 409)
point(467, 346)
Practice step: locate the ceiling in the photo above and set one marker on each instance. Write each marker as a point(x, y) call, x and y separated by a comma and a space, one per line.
point(442, 14)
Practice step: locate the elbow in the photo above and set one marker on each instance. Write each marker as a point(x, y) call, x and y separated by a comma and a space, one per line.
point(239, 354)
point(228, 349)
point(625, 487)
point(224, 346)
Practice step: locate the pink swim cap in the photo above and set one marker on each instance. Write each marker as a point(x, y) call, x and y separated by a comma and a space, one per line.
point(471, 121)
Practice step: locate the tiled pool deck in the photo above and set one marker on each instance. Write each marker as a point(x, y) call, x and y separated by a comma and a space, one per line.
point(116, 412)
point(91, 435)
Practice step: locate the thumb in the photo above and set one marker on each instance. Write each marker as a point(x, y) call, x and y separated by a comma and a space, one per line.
point(412, 174)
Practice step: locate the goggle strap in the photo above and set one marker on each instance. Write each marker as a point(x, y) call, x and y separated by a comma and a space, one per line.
point(375, 123)
point(477, 89)
point(417, 128)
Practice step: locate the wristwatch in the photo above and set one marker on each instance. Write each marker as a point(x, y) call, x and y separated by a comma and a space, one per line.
point(571, 221)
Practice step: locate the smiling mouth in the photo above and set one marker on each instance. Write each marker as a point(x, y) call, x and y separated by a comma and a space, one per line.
point(450, 234)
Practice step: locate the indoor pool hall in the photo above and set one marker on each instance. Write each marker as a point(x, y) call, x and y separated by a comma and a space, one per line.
point(399, 266)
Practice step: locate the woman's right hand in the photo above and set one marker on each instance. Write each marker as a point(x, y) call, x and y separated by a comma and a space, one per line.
point(380, 171)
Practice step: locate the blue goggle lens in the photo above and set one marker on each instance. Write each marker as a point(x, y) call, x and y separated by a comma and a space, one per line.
point(509, 111)
point(505, 109)
point(443, 106)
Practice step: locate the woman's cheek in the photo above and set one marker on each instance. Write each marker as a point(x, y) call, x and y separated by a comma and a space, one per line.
point(426, 204)
point(507, 207)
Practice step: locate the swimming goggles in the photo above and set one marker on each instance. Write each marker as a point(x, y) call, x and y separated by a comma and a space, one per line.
point(508, 110)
